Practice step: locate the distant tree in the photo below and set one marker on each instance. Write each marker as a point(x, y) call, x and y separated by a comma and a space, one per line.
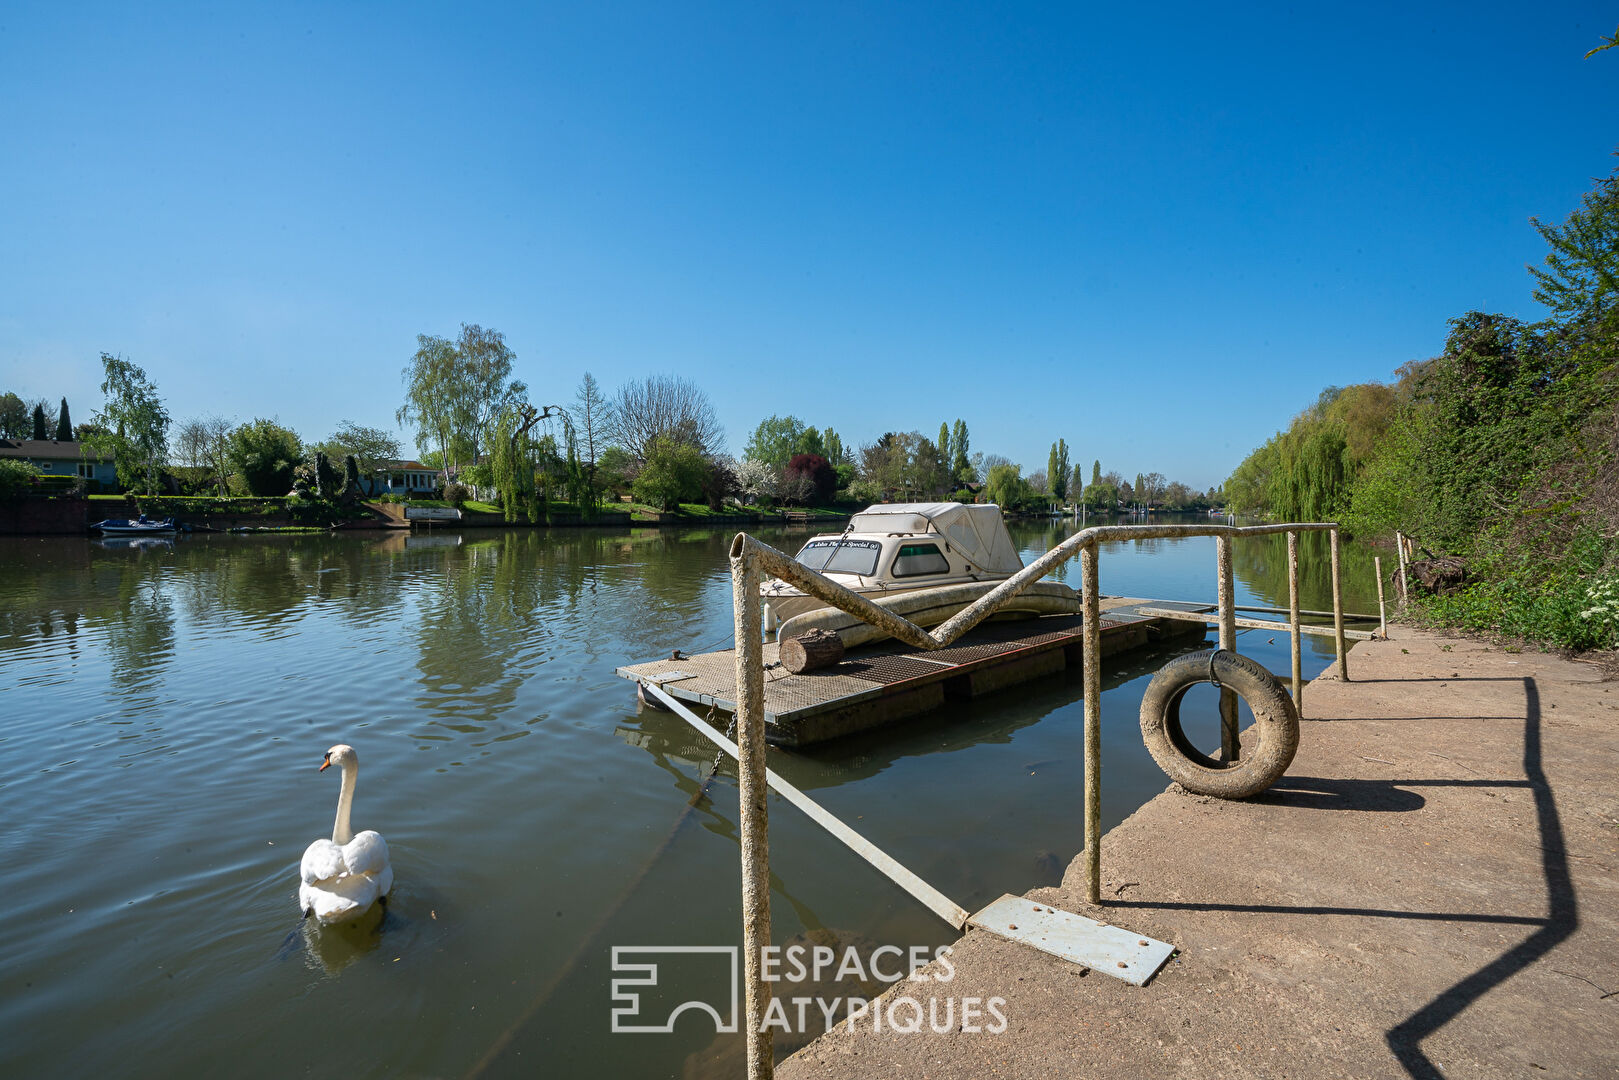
point(1096, 471)
point(64, 426)
point(352, 488)
point(672, 473)
point(960, 464)
point(436, 397)
point(885, 464)
point(132, 426)
point(263, 455)
point(944, 446)
point(1150, 488)
point(39, 421)
point(822, 480)
point(614, 470)
point(1005, 487)
point(1140, 488)
point(928, 473)
point(513, 463)
point(486, 362)
point(191, 445)
point(592, 416)
point(372, 448)
point(1038, 482)
point(719, 481)
point(758, 481)
point(834, 449)
point(215, 450)
point(1580, 281)
point(328, 478)
point(1057, 469)
point(1076, 483)
point(14, 421)
point(775, 440)
point(665, 409)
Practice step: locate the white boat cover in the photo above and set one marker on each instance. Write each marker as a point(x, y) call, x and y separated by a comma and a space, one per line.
point(978, 532)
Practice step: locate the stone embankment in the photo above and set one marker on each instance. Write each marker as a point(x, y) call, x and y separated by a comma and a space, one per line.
point(1433, 890)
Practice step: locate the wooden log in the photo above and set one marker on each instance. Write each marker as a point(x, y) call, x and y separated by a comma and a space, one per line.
point(814, 649)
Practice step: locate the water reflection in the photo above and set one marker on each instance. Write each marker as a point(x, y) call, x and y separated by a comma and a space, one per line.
point(476, 676)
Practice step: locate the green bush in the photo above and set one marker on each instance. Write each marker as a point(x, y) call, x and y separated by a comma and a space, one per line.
point(674, 473)
point(1571, 602)
point(16, 477)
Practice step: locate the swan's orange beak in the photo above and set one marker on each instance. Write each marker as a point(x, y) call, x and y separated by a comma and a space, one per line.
point(323, 763)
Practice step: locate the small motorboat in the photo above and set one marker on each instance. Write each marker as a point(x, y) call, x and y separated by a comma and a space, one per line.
point(896, 548)
point(141, 526)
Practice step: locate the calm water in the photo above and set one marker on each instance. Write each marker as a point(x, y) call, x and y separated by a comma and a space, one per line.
point(163, 712)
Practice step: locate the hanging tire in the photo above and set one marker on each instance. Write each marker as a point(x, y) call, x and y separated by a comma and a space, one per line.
point(1276, 723)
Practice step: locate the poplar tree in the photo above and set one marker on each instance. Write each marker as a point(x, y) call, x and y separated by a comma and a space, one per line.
point(961, 465)
point(1057, 471)
point(64, 426)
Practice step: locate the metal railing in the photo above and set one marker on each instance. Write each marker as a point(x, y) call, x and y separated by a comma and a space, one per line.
point(751, 560)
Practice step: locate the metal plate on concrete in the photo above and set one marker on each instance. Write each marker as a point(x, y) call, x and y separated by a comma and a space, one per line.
point(1086, 942)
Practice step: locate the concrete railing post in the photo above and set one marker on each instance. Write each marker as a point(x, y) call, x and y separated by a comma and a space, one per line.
point(754, 795)
point(1338, 609)
point(1230, 747)
point(1092, 593)
point(1293, 621)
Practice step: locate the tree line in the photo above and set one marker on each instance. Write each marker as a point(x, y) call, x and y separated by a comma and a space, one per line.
point(1501, 451)
point(657, 440)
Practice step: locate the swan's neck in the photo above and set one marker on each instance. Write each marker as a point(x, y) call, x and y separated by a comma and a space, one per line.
point(341, 833)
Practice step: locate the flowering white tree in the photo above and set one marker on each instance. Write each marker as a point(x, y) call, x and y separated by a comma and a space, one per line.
point(758, 480)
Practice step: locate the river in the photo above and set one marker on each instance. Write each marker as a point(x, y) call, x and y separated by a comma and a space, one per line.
point(163, 711)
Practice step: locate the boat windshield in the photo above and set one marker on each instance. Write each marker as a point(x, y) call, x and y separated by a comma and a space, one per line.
point(841, 556)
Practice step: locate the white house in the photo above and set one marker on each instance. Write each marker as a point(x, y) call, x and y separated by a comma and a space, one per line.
point(405, 478)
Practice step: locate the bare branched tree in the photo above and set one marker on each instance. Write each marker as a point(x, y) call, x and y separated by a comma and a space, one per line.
point(664, 407)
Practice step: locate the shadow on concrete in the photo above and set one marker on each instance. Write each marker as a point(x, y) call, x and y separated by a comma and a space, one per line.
point(1559, 922)
point(1320, 793)
point(1562, 916)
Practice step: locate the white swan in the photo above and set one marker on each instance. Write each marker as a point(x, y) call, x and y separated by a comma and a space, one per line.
point(344, 876)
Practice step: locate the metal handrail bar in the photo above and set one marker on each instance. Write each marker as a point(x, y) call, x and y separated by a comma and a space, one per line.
point(750, 559)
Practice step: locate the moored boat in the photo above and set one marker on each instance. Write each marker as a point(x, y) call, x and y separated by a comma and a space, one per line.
point(141, 526)
point(894, 548)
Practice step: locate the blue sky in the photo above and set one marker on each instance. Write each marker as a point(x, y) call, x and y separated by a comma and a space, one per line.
point(1155, 233)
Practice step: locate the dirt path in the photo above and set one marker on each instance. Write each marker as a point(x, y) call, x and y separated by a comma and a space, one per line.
point(1433, 890)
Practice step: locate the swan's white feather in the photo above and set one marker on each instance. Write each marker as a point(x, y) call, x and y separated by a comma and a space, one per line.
point(341, 881)
point(323, 861)
point(367, 853)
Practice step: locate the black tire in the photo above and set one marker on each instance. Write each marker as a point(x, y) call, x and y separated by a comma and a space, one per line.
point(1276, 722)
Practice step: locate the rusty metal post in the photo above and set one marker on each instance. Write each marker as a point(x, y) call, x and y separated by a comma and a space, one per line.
point(1230, 748)
point(1399, 548)
point(1293, 621)
point(1338, 609)
point(750, 738)
point(1382, 611)
point(1091, 589)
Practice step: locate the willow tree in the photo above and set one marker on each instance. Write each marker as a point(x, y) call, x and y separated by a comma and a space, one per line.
point(513, 466)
